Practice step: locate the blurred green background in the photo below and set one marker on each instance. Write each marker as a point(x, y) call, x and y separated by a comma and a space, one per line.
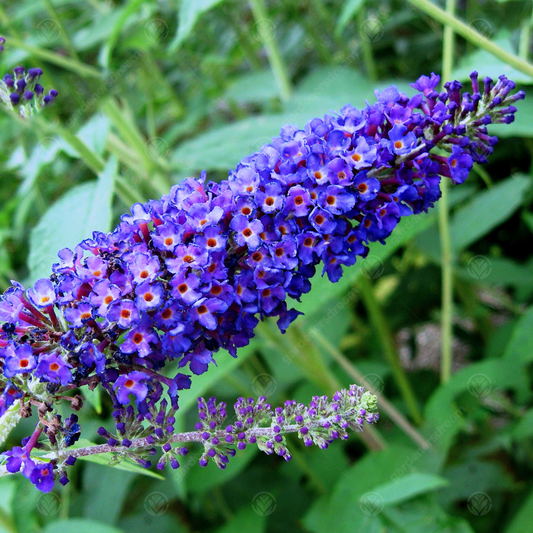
point(152, 91)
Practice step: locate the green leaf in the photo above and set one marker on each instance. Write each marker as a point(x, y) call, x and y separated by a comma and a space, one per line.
point(472, 476)
point(105, 492)
point(350, 9)
point(444, 419)
point(422, 516)
point(202, 479)
point(409, 486)
point(253, 87)
point(82, 210)
point(488, 65)
point(353, 503)
point(24, 507)
point(524, 428)
point(225, 364)
point(43, 154)
point(527, 217)
point(190, 12)
point(522, 520)
point(487, 210)
point(94, 397)
point(227, 145)
point(94, 133)
point(246, 519)
point(520, 346)
point(79, 525)
point(9, 420)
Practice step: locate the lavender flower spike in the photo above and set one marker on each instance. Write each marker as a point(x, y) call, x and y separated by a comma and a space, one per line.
point(183, 276)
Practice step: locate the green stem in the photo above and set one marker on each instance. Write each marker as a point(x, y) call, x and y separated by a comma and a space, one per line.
point(444, 227)
point(6, 521)
point(129, 131)
point(387, 407)
point(266, 31)
point(303, 464)
point(90, 158)
point(67, 43)
point(61, 61)
point(127, 194)
point(304, 354)
point(483, 174)
point(473, 36)
point(244, 41)
point(384, 333)
point(525, 32)
point(447, 285)
point(366, 47)
point(159, 79)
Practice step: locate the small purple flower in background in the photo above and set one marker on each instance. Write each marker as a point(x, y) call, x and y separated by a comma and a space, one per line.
point(22, 92)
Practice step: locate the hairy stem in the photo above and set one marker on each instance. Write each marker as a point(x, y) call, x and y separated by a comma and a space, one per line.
point(444, 228)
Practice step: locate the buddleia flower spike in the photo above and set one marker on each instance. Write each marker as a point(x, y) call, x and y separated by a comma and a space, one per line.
point(133, 310)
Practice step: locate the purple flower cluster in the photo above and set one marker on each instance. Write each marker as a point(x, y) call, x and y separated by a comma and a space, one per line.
point(21, 90)
point(41, 473)
point(195, 271)
point(319, 423)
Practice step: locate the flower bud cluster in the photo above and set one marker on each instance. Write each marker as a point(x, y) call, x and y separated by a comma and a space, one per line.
point(21, 91)
point(319, 423)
